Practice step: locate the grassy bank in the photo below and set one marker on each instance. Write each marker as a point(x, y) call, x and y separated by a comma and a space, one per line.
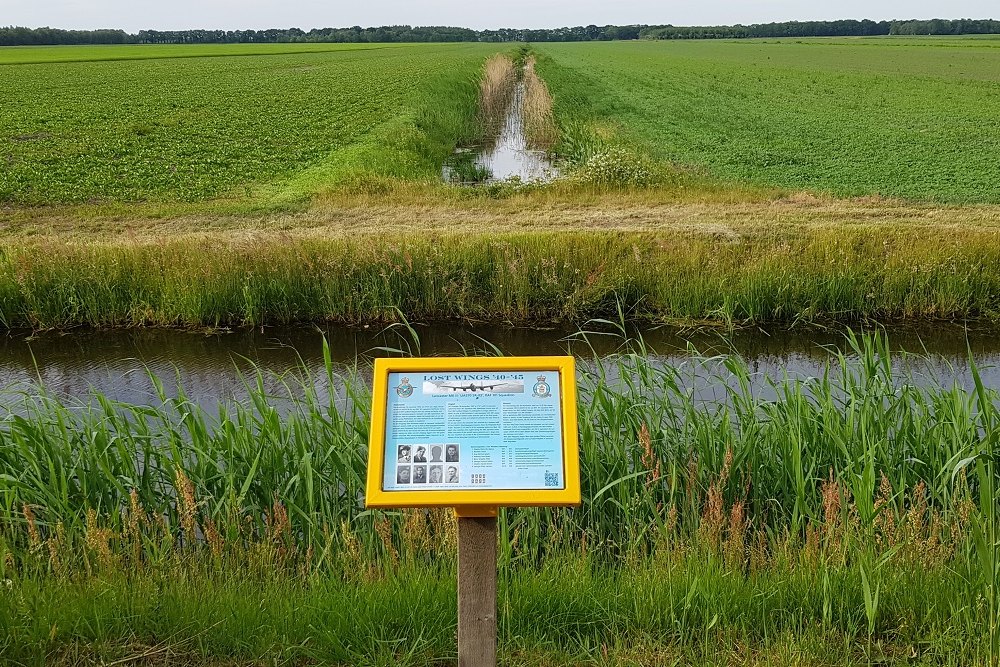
point(674, 610)
point(731, 271)
point(842, 519)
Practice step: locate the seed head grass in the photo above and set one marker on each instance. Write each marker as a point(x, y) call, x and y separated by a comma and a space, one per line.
point(496, 90)
point(730, 275)
point(540, 126)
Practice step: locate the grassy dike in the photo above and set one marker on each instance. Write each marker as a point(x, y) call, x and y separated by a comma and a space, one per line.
point(529, 260)
point(847, 519)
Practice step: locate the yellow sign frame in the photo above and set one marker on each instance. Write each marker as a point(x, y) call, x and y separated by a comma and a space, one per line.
point(466, 501)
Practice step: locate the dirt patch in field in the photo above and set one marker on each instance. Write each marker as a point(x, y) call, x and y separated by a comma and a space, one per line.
point(34, 136)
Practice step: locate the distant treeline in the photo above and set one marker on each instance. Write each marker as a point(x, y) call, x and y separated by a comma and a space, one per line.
point(844, 28)
point(19, 36)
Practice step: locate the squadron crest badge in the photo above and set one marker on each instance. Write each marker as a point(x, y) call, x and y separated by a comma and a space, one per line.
point(405, 389)
point(541, 388)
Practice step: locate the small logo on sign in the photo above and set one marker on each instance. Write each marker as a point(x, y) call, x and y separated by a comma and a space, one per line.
point(405, 389)
point(541, 388)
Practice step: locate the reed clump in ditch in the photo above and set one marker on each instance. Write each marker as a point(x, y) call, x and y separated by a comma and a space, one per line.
point(540, 128)
point(856, 504)
point(496, 92)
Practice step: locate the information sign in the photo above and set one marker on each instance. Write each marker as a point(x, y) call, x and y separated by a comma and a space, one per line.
point(474, 432)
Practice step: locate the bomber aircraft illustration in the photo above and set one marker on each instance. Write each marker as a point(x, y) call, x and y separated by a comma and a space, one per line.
point(471, 386)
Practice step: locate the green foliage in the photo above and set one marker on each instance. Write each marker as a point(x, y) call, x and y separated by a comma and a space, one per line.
point(271, 126)
point(577, 144)
point(894, 117)
point(842, 28)
point(648, 444)
point(463, 169)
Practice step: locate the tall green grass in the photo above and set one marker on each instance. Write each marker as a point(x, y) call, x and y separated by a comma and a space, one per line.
point(568, 612)
point(845, 273)
point(854, 512)
point(650, 447)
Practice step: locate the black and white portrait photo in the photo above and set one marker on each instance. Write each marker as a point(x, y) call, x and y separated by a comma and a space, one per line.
point(436, 475)
point(403, 475)
point(420, 455)
point(452, 477)
point(451, 454)
point(403, 455)
point(419, 474)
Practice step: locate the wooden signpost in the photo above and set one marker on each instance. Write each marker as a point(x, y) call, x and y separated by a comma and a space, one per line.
point(474, 434)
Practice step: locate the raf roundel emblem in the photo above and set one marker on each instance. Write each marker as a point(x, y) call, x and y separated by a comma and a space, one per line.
point(405, 389)
point(541, 388)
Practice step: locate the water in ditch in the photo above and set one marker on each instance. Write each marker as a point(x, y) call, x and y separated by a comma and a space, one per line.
point(509, 157)
point(211, 368)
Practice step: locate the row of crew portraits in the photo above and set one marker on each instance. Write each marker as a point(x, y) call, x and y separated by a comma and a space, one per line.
point(431, 474)
point(418, 454)
point(441, 473)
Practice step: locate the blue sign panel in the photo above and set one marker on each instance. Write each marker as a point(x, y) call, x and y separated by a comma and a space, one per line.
point(475, 430)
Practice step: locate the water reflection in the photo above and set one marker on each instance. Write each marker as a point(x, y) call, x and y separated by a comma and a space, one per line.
point(510, 156)
point(212, 367)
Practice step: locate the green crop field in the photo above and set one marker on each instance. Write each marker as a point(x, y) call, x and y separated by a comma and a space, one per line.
point(911, 118)
point(272, 123)
point(724, 165)
point(178, 127)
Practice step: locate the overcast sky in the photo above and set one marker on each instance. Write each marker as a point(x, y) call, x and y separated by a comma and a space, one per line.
point(133, 15)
